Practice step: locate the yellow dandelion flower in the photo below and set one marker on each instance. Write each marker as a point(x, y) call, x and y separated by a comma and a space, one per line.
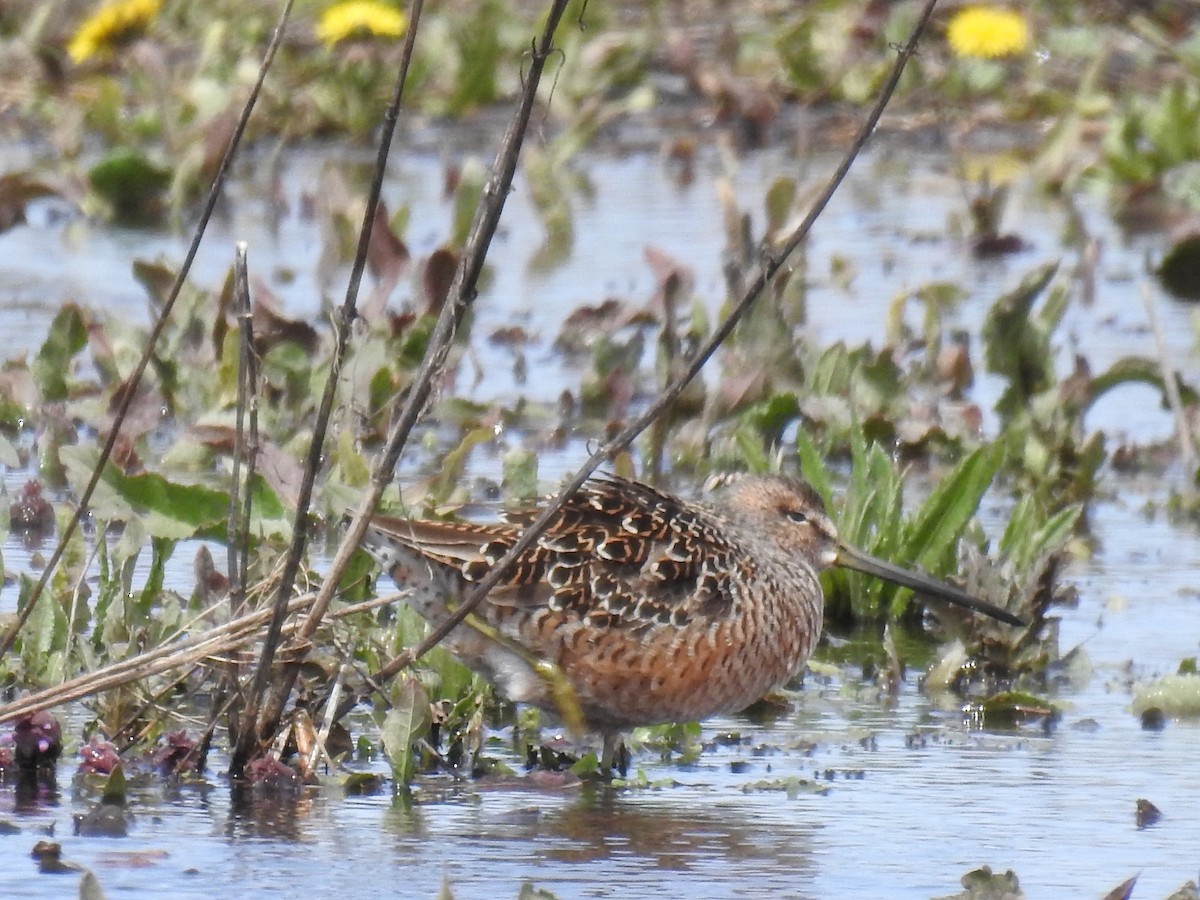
point(112, 24)
point(989, 33)
point(365, 18)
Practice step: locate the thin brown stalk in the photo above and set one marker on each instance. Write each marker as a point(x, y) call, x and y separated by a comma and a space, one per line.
point(461, 295)
point(256, 726)
point(1183, 431)
point(127, 395)
point(204, 744)
point(242, 538)
point(241, 491)
point(241, 294)
point(768, 267)
point(669, 357)
point(152, 662)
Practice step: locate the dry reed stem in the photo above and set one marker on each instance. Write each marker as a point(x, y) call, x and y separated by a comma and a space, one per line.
point(214, 643)
point(264, 710)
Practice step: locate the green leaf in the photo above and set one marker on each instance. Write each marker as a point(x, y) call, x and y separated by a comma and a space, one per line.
point(153, 588)
point(869, 518)
point(129, 545)
point(1176, 695)
point(1017, 346)
point(115, 787)
point(171, 510)
point(44, 635)
point(1010, 708)
point(67, 336)
point(361, 784)
point(355, 584)
point(406, 722)
point(349, 461)
point(771, 416)
point(455, 461)
point(932, 537)
point(1028, 537)
point(1136, 370)
point(167, 509)
point(519, 469)
point(550, 193)
point(813, 467)
point(752, 451)
point(110, 588)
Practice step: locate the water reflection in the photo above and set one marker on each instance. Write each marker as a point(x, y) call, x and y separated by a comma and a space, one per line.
point(704, 840)
point(31, 792)
point(283, 815)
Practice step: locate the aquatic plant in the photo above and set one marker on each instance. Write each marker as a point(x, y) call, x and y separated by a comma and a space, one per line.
point(1155, 140)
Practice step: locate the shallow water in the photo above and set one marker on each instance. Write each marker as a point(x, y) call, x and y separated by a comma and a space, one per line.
point(914, 799)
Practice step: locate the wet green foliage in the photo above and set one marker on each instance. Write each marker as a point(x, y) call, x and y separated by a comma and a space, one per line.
point(405, 724)
point(115, 787)
point(1150, 141)
point(169, 483)
point(67, 336)
point(792, 787)
point(131, 187)
point(1007, 709)
point(1051, 453)
point(872, 516)
point(678, 741)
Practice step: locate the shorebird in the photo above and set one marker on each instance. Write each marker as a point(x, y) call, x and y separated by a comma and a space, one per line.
point(651, 608)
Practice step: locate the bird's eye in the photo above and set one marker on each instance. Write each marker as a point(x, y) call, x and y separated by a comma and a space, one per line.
point(795, 515)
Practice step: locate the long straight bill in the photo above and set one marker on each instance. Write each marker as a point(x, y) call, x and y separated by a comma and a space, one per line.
point(851, 558)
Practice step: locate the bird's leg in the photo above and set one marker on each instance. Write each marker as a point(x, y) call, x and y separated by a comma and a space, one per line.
point(615, 755)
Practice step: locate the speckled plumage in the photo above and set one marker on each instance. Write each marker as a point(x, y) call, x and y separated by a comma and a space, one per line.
point(656, 609)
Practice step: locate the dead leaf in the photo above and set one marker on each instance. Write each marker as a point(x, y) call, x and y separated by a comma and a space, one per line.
point(437, 277)
point(272, 328)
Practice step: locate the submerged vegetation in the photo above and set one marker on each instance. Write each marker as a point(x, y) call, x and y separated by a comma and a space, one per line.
point(138, 99)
